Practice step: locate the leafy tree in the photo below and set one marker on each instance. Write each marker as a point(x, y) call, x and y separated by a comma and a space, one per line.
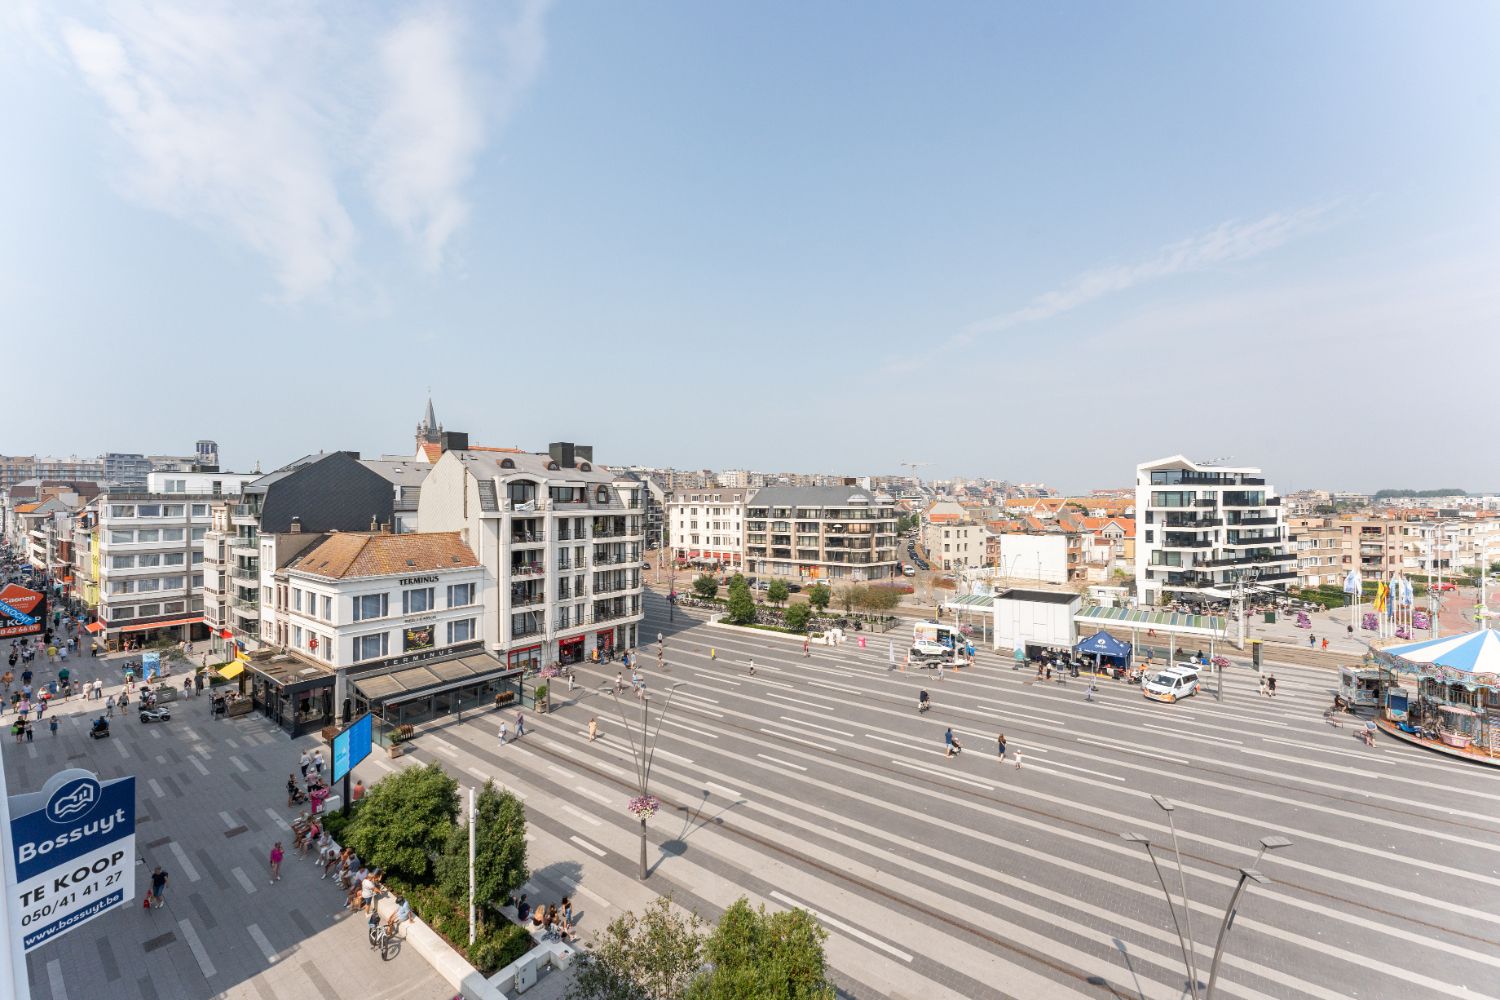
point(777, 593)
point(499, 851)
point(906, 522)
point(818, 595)
point(798, 615)
point(651, 957)
point(879, 599)
point(741, 605)
point(738, 580)
point(706, 587)
point(851, 597)
point(944, 583)
point(754, 954)
point(404, 820)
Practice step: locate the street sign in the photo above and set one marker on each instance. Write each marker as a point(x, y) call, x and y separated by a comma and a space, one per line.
point(71, 857)
point(351, 746)
point(150, 665)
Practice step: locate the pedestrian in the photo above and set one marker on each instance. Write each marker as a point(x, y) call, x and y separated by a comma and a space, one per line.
point(98, 689)
point(276, 856)
point(109, 707)
point(1271, 685)
point(1088, 692)
point(502, 733)
point(1018, 760)
point(1325, 643)
point(1262, 685)
point(317, 763)
point(520, 724)
point(158, 886)
point(951, 744)
point(1311, 641)
point(752, 666)
point(304, 762)
point(593, 730)
point(712, 653)
point(805, 652)
point(358, 792)
point(1000, 747)
point(53, 726)
point(619, 682)
point(570, 682)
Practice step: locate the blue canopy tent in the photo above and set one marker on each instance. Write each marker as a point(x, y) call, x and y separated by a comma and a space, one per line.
point(1103, 646)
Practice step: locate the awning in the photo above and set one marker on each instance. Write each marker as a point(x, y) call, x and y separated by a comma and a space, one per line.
point(224, 633)
point(1103, 644)
point(171, 624)
point(230, 671)
point(432, 677)
point(93, 627)
point(1164, 622)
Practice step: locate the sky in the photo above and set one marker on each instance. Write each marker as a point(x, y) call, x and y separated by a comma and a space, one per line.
point(1023, 241)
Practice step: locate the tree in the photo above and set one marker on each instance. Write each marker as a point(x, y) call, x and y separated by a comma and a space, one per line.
point(499, 852)
point(906, 522)
point(881, 598)
point(798, 615)
point(777, 593)
point(753, 954)
point(818, 595)
point(850, 597)
point(651, 957)
point(706, 587)
point(404, 819)
point(741, 604)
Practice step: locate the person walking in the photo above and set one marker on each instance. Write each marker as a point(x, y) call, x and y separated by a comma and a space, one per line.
point(619, 682)
point(158, 894)
point(520, 724)
point(1325, 643)
point(593, 730)
point(53, 726)
point(712, 653)
point(317, 763)
point(98, 688)
point(1311, 641)
point(1271, 685)
point(502, 732)
point(303, 763)
point(752, 666)
point(570, 682)
point(1262, 685)
point(952, 745)
point(276, 855)
point(1000, 747)
point(805, 650)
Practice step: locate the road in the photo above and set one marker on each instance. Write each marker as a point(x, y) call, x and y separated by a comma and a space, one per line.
point(816, 783)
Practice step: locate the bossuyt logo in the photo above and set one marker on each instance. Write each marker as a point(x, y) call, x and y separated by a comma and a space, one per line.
point(73, 800)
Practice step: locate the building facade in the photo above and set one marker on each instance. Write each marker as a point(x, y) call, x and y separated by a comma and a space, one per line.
point(561, 540)
point(708, 526)
point(1058, 557)
point(1202, 530)
point(839, 533)
point(955, 545)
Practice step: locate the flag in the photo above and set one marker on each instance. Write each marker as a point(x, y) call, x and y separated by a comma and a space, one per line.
point(1352, 582)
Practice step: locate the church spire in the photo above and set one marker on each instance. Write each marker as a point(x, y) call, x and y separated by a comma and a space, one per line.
point(429, 430)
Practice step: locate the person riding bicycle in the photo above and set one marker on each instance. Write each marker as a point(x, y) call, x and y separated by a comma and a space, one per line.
point(954, 747)
point(922, 704)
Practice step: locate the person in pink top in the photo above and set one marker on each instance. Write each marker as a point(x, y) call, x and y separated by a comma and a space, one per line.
point(276, 856)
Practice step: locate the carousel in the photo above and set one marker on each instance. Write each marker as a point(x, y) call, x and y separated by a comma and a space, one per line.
point(1444, 694)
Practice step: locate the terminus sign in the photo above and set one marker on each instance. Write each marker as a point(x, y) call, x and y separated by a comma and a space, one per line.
point(412, 581)
point(71, 857)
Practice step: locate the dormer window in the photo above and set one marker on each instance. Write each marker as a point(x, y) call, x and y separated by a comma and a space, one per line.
point(507, 463)
point(602, 495)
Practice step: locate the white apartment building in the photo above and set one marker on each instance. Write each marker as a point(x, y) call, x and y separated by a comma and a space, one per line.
point(363, 599)
point(954, 545)
point(734, 479)
point(708, 526)
point(150, 547)
point(1201, 529)
point(1046, 557)
point(560, 540)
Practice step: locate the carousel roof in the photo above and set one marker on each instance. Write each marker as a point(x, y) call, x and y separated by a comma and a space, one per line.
point(1471, 653)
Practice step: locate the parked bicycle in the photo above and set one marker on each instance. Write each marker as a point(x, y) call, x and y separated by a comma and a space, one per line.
point(383, 941)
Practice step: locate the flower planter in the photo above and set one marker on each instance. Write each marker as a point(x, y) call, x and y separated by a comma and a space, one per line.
point(396, 749)
point(328, 733)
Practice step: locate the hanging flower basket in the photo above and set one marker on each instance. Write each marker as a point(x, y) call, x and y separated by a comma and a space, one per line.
point(643, 806)
point(548, 672)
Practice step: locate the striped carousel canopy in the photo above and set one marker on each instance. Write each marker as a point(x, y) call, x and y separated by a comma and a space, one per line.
point(1470, 658)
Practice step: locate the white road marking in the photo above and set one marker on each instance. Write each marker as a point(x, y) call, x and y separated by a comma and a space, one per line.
point(190, 935)
point(1179, 735)
point(592, 794)
point(156, 734)
point(230, 742)
point(692, 729)
point(276, 818)
point(592, 820)
point(697, 697)
point(476, 772)
point(949, 776)
point(239, 763)
point(573, 883)
point(385, 766)
point(1074, 767)
point(260, 939)
point(199, 765)
point(673, 756)
point(55, 980)
point(1099, 741)
point(795, 739)
point(802, 701)
point(182, 860)
point(727, 791)
point(907, 744)
point(694, 708)
point(783, 763)
point(242, 879)
point(591, 848)
point(121, 747)
point(562, 771)
point(839, 924)
point(156, 788)
point(229, 821)
point(814, 725)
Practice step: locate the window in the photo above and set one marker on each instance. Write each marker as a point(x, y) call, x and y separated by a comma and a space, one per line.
point(148, 510)
point(460, 594)
point(198, 534)
point(148, 559)
point(173, 509)
point(370, 647)
point(327, 615)
point(296, 599)
point(175, 558)
point(121, 586)
point(200, 510)
point(296, 636)
point(148, 535)
point(150, 583)
point(121, 537)
point(148, 610)
point(121, 562)
point(368, 606)
point(460, 631)
point(601, 495)
point(197, 558)
point(197, 579)
point(121, 510)
point(173, 582)
point(175, 486)
point(174, 607)
point(416, 601)
point(172, 534)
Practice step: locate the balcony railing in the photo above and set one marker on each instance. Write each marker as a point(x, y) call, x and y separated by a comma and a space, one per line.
point(1191, 542)
point(527, 569)
point(527, 600)
point(1249, 521)
point(527, 631)
point(528, 538)
point(1191, 523)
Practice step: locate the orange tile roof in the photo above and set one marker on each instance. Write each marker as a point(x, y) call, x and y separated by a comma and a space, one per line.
point(349, 554)
point(432, 451)
point(26, 508)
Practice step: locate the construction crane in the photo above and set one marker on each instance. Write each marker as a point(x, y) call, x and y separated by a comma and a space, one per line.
point(914, 466)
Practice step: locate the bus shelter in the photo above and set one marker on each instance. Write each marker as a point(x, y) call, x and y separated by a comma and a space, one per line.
point(1181, 632)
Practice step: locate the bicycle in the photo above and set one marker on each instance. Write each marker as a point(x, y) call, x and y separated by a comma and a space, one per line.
point(388, 944)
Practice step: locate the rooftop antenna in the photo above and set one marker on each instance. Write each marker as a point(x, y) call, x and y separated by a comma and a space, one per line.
point(1214, 461)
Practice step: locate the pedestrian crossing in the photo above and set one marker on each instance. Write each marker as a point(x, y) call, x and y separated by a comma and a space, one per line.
point(826, 788)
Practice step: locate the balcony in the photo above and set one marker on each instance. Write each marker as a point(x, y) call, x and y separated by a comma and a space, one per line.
point(1186, 542)
point(526, 570)
point(246, 609)
point(518, 539)
point(1187, 523)
point(1251, 521)
point(527, 631)
point(527, 600)
point(241, 544)
point(1256, 540)
point(1274, 577)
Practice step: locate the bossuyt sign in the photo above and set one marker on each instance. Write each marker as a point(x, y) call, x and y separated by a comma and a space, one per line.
point(72, 854)
point(22, 611)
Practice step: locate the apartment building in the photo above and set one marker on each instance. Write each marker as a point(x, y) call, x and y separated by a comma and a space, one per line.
point(1048, 556)
point(1321, 556)
point(840, 533)
point(955, 545)
point(151, 552)
point(16, 469)
point(1202, 528)
point(560, 539)
point(708, 526)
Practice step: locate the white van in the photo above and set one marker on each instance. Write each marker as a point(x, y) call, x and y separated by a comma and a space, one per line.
point(1172, 684)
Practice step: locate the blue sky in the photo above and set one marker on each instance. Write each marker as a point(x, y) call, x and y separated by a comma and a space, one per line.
point(1033, 242)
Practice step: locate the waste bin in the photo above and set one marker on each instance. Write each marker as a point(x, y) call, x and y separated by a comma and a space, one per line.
point(1270, 618)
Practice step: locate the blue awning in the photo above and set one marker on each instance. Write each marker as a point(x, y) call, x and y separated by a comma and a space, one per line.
point(1103, 644)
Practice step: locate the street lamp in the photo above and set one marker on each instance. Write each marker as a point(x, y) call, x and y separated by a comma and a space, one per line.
point(1187, 914)
point(1246, 875)
point(1272, 843)
point(1140, 838)
point(644, 755)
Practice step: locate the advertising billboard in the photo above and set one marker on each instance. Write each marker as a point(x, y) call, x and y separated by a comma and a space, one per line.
point(351, 746)
point(22, 611)
point(418, 637)
point(71, 855)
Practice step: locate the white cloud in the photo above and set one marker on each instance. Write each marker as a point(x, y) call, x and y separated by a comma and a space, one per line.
point(1224, 244)
point(246, 119)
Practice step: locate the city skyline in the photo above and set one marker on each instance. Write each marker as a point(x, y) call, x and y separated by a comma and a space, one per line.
point(1005, 241)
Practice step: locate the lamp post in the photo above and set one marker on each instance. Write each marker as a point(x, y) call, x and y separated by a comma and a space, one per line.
point(1189, 953)
point(644, 755)
point(1187, 914)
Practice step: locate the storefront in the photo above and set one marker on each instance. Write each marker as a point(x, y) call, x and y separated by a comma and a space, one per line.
point(604, 642)
point(293, 692)
point(138, 635)
point(529, 658)
point(570, 650)
point(435, 688)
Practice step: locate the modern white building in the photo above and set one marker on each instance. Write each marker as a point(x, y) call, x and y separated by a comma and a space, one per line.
point(1046, 557)
point(1202, 530)
point(708, 526)
point(151, 551)
point(560, 539)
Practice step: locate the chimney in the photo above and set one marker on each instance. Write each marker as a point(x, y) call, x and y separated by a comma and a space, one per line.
point(454, 441)
point(583, 452)
point(296, 526)
point(562, 453)
point(385, 527)
point(374, 523)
